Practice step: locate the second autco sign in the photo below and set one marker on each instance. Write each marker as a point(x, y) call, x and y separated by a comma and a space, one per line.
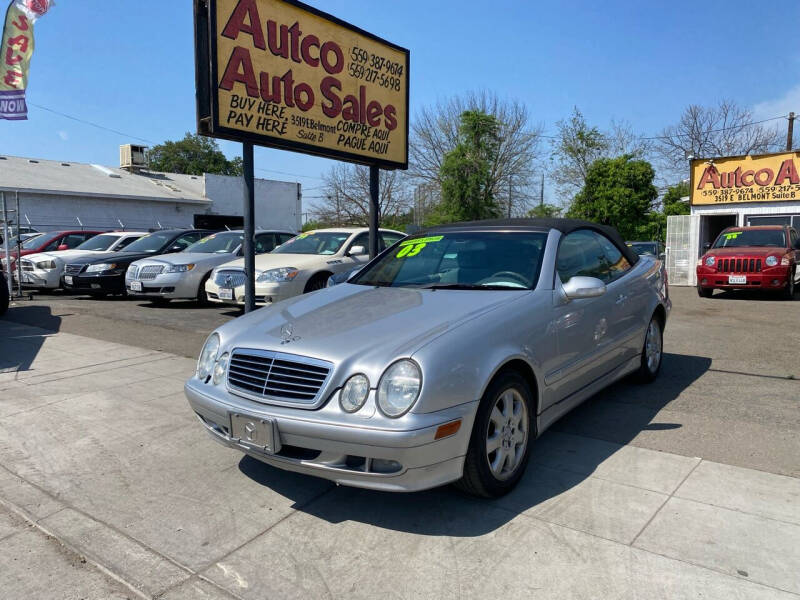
point(285, 75)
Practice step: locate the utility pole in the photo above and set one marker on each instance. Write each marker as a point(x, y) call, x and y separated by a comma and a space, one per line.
point(541, 192)
point(789, 132)
point(509, 198)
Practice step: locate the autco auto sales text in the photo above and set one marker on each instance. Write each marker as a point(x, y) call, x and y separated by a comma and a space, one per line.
point(361, 123)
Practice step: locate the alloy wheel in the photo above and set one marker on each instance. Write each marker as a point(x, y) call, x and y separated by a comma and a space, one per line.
point(653, 346)
point(507, 434)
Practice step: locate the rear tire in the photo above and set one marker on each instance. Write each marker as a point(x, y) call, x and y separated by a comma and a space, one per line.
point(505, 420)
point(705, 292)
point(652, 351)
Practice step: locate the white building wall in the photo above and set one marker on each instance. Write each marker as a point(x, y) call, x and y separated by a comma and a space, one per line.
point(51, 212)
point(748, 208)
point(277, 203)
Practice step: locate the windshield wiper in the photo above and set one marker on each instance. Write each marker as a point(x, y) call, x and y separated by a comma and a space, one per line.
point(468, 286)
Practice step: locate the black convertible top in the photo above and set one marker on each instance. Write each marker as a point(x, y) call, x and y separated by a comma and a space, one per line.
point(565, 226)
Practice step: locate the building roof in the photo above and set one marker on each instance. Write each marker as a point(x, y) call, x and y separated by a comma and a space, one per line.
point(89, 180)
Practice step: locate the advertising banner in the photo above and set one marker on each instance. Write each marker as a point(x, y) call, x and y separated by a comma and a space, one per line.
point(282, 74)
point(15, 55)
point(736, 179)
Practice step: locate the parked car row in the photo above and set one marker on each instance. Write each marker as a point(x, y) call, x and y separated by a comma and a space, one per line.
point(195, 264)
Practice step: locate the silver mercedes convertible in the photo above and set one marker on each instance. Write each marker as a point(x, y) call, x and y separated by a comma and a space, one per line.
point(442, 360)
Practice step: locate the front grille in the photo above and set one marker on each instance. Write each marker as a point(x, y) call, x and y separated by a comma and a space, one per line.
point(149, 272)
point(229, 279)
point(26, 265)
point(274, 375)
point(73, 269)
point(739, 265)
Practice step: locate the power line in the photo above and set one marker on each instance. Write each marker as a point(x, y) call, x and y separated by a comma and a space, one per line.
point(66, 116)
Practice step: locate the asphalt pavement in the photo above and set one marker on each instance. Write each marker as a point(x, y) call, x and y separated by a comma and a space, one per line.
point(110, 488)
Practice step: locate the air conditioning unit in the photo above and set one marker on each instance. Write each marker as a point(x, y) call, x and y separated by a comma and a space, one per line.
point(132, 157)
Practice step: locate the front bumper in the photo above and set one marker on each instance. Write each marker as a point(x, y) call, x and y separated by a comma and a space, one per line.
point(41, 279)
point(164, 285)
point(109, 283)
point(266, 293)
point(349, 454)
point(771, 278)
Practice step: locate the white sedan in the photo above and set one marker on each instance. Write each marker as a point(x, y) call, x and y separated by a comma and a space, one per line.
point(301, 265)
point(44, 270)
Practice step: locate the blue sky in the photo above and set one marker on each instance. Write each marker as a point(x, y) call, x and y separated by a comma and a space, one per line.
point(130, 66)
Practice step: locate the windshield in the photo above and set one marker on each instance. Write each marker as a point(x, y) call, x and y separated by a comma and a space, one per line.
point(98, 242)
point(150, 243)
point(644, 248)
point(219, 243)
point(33, 242)
point(771, 238)
point(460, 260)
point(314, 242)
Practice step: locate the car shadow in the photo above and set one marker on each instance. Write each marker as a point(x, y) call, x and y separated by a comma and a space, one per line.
point(761, 296)
point(560, 459)
point(19, 346)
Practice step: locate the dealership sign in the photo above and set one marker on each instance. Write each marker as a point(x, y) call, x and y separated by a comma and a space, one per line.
point(766, 178)
point(282, 74)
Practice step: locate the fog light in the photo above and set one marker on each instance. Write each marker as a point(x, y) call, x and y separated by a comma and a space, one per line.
point(380, 465)
point(704, 281)
point(776, 282)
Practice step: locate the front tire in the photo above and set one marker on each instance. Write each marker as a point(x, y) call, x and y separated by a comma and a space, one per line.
point(652, 351)
point(788, 292)
point(317, 282)
point(501, 436)
point(705, 292)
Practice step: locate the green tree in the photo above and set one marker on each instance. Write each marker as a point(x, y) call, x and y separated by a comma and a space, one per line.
point(466, 172)
point(193, 155)
point(672, 200)
point(544, 211)
point(618, 192)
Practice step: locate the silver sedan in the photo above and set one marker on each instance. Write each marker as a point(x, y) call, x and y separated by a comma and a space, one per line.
point(441, 361)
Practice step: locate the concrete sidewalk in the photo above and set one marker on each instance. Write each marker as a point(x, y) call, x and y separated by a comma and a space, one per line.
point(99, 449)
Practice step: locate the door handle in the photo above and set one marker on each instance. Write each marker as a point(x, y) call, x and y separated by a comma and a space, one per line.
point(621, 298)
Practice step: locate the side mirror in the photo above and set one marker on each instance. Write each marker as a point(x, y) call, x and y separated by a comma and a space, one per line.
point(707, 246)
point(63, 247)
point(357, 250)
point(584, 287)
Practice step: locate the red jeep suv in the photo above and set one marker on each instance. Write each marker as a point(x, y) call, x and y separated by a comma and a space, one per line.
point(764, 257)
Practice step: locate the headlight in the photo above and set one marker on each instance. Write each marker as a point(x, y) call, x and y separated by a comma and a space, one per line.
point(277, 275)
point(354, 393)
point(208, 356)
point(399, 388)
point(46, 265)
point(710, 261)
point(179, 268)
point(219, 368)
point(98, 268)
point(771, 261)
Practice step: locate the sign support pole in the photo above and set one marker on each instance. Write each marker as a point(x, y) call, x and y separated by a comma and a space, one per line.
point(789, 132)
point(374, 209)
point(249, 228)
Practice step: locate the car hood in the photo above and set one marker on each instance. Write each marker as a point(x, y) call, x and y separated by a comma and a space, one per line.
point(361, 325)
point(299, 261)
point(185, 258)
point(121, 257)
point(748, 250)
point(70, 256)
